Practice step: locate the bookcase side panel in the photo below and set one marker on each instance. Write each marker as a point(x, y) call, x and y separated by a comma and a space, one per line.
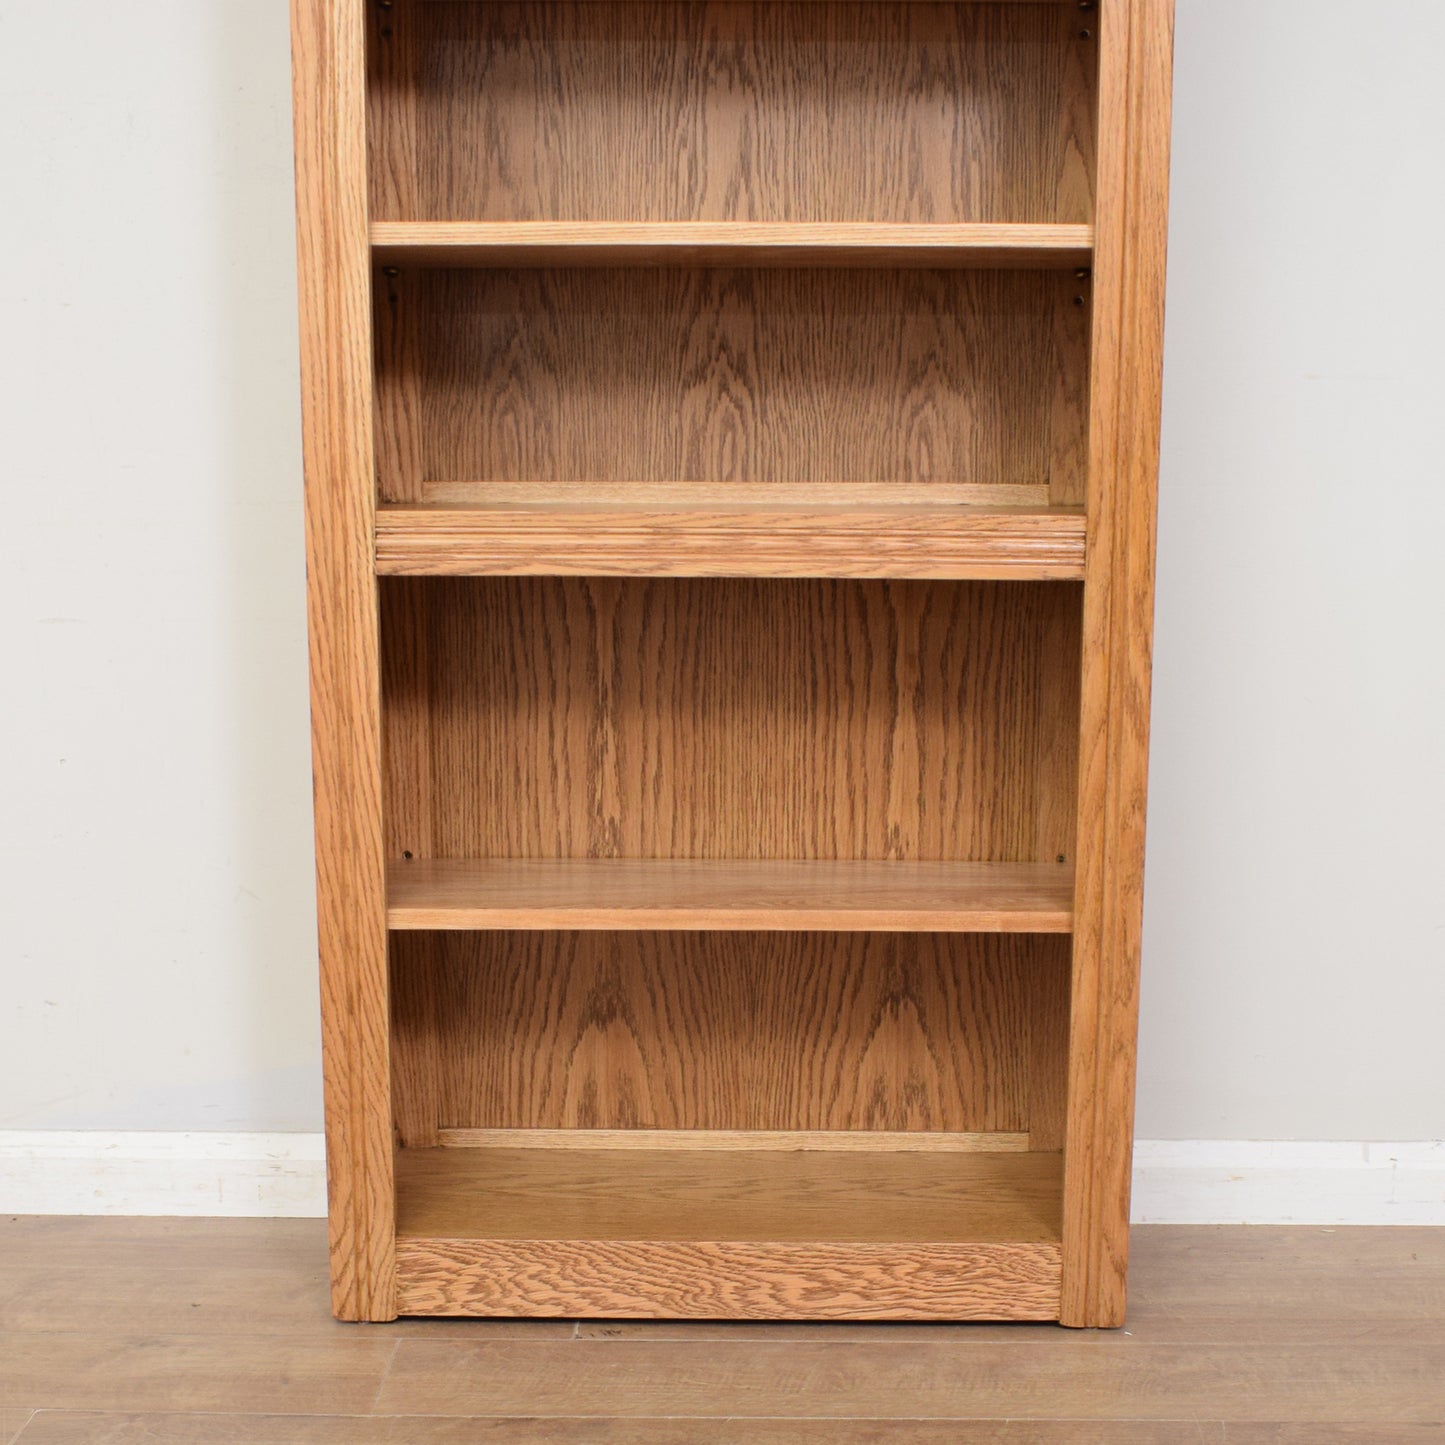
point(1134, 88)
point(336, 366)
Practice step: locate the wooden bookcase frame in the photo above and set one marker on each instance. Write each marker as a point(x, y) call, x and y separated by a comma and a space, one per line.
point(1075, 1269)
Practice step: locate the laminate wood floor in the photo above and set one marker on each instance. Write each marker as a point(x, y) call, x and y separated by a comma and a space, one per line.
point(196, 1332)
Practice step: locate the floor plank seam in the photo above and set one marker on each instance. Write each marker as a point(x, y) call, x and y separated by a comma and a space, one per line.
point(35, 1416)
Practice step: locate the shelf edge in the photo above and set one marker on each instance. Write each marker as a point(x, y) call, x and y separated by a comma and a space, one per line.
point(921, 542)
point(704, 1279)
point(705, 243)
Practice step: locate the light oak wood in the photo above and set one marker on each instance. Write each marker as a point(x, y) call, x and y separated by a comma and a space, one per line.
point(710, 540)
point(873, 112)
point(854, 1141)
point(731, 433)
point(1072, 3)
point(727, 243)
point(1338, 1380)
point(1118, 628)
point(129, 1428)
point(838, 720)
point(722, 1031)
point(120, 1331)
point(670, 893)
point(136, 1369)
point(732, 497)
point(677, 375)
point(334, 283)
point(728, 1233)
point(704, 1280)
point(764, 1196)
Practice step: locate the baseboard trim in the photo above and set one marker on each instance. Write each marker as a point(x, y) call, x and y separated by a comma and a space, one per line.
point(1232, 1181)
point(1186, 1181)
point(46, 1171)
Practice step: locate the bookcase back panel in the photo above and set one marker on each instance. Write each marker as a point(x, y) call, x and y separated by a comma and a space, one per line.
point(732, 376)
point(536, 717)
point(561, 111)
point(764, 1031)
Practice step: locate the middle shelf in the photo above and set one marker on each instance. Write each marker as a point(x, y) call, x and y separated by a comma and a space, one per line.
point(729, 243)
point(770, 895)
point(733, 530)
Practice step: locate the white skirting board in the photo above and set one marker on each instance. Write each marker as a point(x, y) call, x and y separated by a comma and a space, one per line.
point(45, 1171)
point(1187, 1181)
point(1234, 1181)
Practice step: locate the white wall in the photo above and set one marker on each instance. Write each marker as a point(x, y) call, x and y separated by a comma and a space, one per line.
point(157, 915)
point(1295, 902)
point(156, 934)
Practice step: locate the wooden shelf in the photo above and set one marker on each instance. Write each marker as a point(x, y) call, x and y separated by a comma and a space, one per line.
point(729, 1233)
point(710, 530)
point(646, 894)
point(730, 243)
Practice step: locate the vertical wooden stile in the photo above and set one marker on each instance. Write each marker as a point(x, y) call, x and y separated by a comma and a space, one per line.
point(1136, 45)
point(333, 263)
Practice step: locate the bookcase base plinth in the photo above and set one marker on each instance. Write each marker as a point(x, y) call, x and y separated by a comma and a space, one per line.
point(734, 1233)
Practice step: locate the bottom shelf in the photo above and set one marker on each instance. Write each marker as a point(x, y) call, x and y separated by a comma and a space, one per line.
point(729, 1233)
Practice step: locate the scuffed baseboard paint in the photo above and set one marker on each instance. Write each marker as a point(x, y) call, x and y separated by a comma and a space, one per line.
point(83, 1172)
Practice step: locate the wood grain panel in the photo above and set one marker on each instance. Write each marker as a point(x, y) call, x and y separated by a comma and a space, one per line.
point(670, 893)
point(725, 375)
point(138, 1331)
point(731, 1031)
point(592, 539)
point(732, 719)
point(399, 416)
point(1048, 1054)
point(130, 1428)
point(334, 293)
point(1342, 1378)
point(767, 1196)
point(726, 243)
point(1118, 631)
point(729, 1234)
point(734, 112)
point(681, 1279)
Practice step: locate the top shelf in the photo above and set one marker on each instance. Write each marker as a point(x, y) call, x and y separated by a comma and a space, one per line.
point(732, 243)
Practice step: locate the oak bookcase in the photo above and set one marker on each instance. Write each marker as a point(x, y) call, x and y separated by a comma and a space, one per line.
point(730, 442)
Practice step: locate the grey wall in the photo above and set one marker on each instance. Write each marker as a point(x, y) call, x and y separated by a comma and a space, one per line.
point(1295, 914)
point(156, 921)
